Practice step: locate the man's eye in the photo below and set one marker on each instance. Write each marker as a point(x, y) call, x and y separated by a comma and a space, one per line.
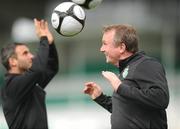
point(25, 53)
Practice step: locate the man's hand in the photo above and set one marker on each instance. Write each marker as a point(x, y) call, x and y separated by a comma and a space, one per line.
point(42, 29)
point(112, 78)
point(92, 89)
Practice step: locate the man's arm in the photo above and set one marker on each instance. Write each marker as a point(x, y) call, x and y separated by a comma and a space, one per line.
point(105, 102)
point(95, 92)
point(52, 64)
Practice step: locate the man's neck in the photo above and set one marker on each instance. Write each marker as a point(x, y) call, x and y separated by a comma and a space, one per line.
point(15, 71)
point(126, 55)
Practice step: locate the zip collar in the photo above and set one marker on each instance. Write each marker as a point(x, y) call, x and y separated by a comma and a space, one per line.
point(125, 62)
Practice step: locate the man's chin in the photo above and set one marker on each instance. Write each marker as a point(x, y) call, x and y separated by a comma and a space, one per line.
point(108, 61)
point(30, 65)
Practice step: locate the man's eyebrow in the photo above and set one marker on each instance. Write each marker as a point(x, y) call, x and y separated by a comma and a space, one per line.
point(25, 52)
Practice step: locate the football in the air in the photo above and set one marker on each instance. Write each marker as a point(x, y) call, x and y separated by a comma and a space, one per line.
point(68, 19)
point(88, 4)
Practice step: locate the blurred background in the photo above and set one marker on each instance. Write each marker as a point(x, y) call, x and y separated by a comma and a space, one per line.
point(158, 25)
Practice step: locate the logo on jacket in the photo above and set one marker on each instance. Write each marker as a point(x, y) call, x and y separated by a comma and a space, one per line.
point(125, 72)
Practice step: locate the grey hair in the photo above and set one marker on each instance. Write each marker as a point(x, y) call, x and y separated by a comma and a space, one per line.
point(126, 34)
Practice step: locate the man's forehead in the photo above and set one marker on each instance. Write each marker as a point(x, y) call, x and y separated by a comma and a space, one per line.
point(108, 35)
point(21, 48)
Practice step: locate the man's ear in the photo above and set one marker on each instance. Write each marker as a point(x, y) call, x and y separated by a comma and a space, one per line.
point(12, 62)
point(122, 47)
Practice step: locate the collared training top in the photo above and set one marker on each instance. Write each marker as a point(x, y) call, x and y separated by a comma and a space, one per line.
point(142, 97)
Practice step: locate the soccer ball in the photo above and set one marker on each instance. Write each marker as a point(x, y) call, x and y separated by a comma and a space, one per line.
point(68, 19)
point(88, 4)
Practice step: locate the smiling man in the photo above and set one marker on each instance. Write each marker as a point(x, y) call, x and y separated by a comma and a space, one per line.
point(141, 94)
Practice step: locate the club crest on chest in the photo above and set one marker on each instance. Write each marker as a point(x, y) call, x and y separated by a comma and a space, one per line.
point(125, 72)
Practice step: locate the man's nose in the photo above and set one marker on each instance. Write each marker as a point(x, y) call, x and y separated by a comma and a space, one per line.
point(31, 56)
point(102, 49)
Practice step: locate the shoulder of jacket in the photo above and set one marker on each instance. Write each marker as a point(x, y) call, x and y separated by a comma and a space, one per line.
point(149, 64)
point(144, 63)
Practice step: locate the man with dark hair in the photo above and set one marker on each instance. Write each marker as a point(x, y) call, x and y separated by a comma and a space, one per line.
point(23, 96)
point(141, 94)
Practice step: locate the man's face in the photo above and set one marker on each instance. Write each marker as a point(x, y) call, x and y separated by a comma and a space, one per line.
point(24, 58)
point(108, 47)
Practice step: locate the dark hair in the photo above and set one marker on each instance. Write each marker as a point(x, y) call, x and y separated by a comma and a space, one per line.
point(126, 34)
point(7, 52)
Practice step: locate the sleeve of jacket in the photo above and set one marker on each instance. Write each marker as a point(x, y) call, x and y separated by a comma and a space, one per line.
point(41, 59)
point(148, 87)
point(52, 66)
point(105, 102)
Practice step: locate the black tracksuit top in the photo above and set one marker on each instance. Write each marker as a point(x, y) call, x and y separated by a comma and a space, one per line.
point(143, 96)
point(23, 96)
